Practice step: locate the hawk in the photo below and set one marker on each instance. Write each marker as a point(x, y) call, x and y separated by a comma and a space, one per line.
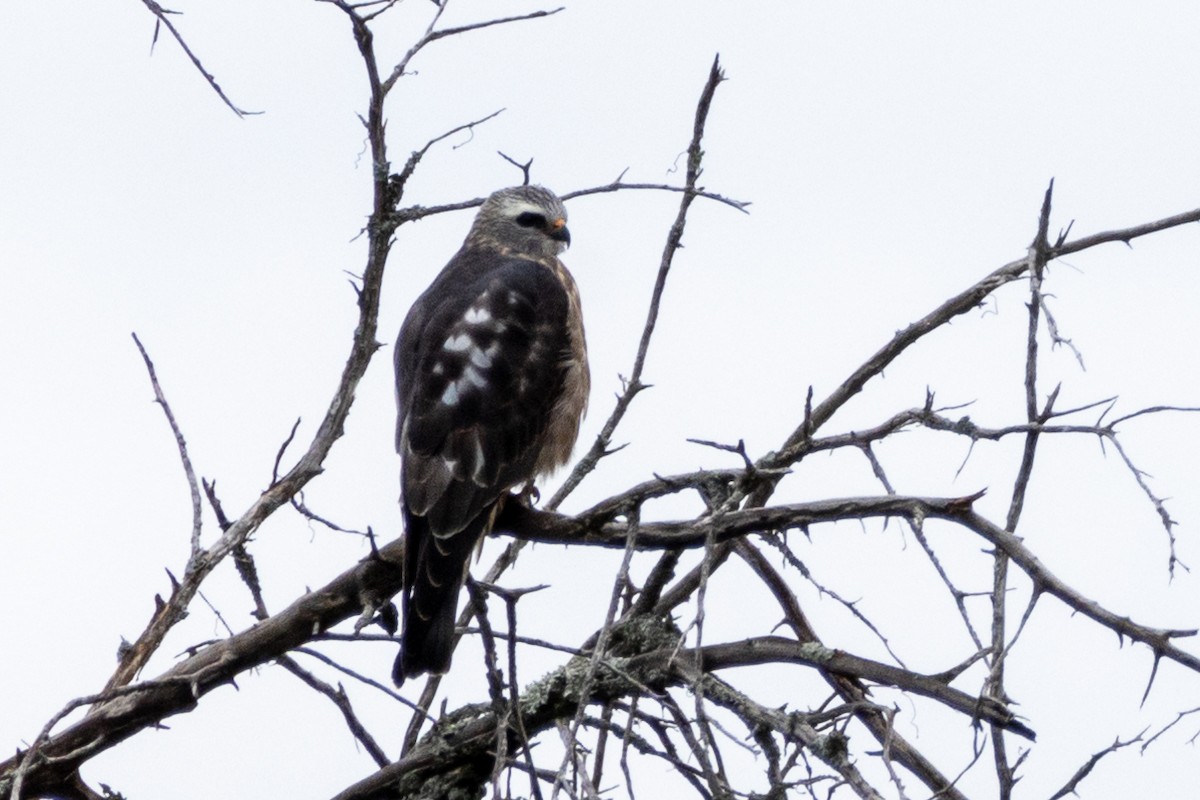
point(491, 383)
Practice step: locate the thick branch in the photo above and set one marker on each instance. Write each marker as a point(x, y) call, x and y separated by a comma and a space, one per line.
point(545, 526)
point(179, 689)
point(549, 527)
point(779, 650)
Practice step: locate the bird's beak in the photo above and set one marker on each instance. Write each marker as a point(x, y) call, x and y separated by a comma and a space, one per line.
point(559, 232)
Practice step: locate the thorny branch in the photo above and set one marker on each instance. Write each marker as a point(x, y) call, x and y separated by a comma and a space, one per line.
point(994, 687)
point(637, 659)
point(1072, 785)
point(603, 524)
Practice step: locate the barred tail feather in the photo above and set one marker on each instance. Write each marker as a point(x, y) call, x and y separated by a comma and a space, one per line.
point(434, 571)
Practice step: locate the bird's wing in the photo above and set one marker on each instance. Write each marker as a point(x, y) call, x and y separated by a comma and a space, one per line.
point(479, 372)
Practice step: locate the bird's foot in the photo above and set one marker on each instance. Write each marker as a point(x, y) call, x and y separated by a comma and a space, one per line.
point(528, 496)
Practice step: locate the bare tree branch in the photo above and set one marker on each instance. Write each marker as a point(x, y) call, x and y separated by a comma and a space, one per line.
point(1072, 785)
point(634, 679)
point(161, 14)
point(633, 383)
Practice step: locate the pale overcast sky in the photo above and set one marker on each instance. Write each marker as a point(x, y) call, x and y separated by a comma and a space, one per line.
point(894, 154)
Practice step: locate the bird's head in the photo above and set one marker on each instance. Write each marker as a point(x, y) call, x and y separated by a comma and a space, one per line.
point(527, 219)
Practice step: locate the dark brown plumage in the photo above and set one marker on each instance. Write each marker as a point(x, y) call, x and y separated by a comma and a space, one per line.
point(492, 381)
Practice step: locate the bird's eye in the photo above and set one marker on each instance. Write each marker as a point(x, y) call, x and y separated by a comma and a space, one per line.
point(531, 219)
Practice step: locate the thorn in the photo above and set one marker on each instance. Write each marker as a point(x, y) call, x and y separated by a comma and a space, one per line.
point(1153, 673)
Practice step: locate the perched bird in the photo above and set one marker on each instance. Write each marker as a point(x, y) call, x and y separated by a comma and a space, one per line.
point(491, 383)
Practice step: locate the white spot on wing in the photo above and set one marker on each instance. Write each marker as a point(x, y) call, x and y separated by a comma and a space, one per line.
point(481, 358)
point(472, 376)
point(478, 459)
point(476, 315)
point(450, 396)
point(458, 343)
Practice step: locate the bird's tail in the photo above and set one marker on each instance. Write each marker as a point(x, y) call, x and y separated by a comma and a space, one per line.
point(434, 572)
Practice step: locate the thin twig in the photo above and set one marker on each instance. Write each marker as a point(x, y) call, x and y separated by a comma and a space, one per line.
point(994, 687)
point(633, 384)
point(180, 443)
point(432, 35)
point(162, 20)
point(338, 698)
point(1071, 787)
